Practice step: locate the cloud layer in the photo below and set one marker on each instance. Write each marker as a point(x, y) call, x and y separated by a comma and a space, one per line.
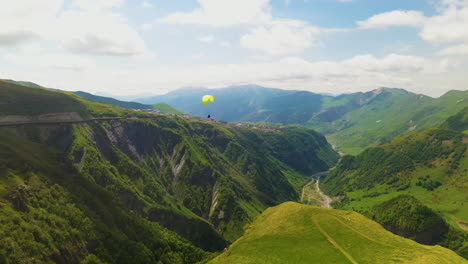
point(91, 27)
point(449, 27)
point(93, 45)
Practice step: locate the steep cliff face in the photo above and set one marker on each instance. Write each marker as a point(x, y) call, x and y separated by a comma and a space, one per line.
point(205, 181)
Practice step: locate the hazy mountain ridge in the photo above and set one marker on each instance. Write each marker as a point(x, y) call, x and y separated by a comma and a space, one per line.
point(232, 103)
point(351, 121)
point(112, 101)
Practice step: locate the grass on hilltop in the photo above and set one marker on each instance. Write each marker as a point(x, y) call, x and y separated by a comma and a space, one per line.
point(294, 233)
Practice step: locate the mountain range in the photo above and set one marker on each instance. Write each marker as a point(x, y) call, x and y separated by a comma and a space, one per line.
point(352, 122)
point(84, 180)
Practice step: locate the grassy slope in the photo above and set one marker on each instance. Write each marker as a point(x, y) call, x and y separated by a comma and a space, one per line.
point(30, 84)
point(30, 101)
point(379, 120)
point(167, 109)
point(50, 213)
point(431, 166)
point(458, 122)
point(295, 233)
point(386, 171)
point(440, 109)
point(22, 100)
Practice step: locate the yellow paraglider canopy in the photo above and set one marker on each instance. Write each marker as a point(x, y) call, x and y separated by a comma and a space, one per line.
point(207, 98)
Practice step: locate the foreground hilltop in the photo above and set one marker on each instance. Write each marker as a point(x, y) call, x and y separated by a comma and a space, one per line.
point(302, 234)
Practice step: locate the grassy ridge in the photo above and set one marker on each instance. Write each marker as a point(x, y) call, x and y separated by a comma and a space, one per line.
point(294, 233)
point(22, 100)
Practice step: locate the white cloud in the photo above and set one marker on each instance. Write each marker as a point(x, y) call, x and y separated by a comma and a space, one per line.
point(98, 33)
point(220, 13)
point(448, 27)
point(281, 37)
point(454, 50)
point(147, 26)
point(272, 36)
point(52, 61)
point(208, 38)
point(394, 63)
point(146, 4)
point(225, 44)
point(13, 38)
point(23, 21)
point(394, 18)
point(90, 28)
point(97, 4)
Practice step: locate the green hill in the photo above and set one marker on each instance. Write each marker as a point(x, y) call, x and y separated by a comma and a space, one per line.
point(20, 103)
point(430, 165)
point(402, 166)
point(88, 96)
point(167, 109)
point(404, 215)
point(112, 101)
point(296, 234)
point(114, 187)
point(23, 83)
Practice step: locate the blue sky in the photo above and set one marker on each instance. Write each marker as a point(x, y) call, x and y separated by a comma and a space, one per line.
point(125, 47)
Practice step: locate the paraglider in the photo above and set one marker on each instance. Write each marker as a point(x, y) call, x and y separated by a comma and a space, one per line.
point(205, 100)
